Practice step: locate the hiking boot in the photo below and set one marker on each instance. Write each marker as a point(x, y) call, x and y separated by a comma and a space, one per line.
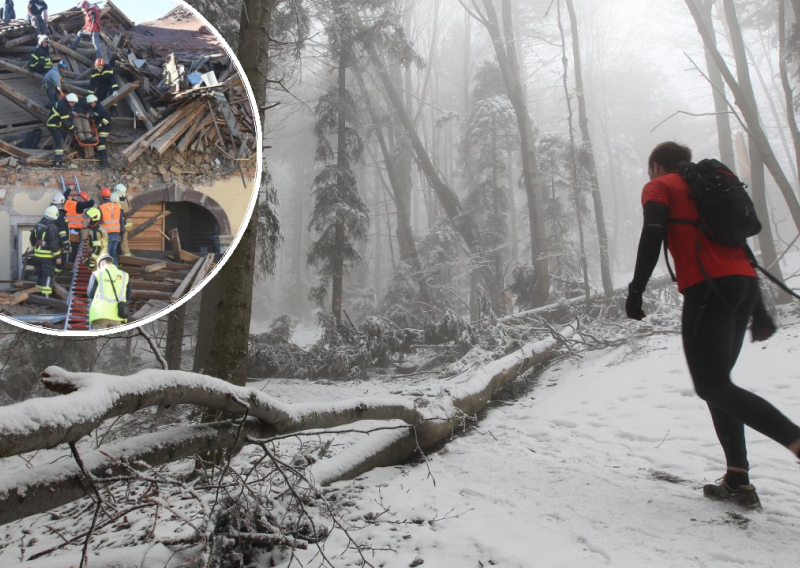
point(744, 495)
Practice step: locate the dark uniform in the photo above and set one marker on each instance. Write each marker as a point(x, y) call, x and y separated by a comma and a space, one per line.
point(102, 82)
point(102, 121)
point(63, 230)
point(35, 10)
point(46, 252)
point(60, 118)
point(40, 60)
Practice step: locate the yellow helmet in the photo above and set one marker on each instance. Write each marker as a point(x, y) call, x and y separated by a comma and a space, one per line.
point(94, 215)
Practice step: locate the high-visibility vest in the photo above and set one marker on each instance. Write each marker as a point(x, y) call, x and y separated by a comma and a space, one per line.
point(74, 219)
point(111, 217)
point(104, 303)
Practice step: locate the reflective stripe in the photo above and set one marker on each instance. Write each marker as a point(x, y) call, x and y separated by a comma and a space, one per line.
point(111, 217)
point(104, 303)
point(74, 219)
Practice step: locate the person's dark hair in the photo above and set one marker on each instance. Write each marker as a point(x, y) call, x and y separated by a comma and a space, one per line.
point(669, 154)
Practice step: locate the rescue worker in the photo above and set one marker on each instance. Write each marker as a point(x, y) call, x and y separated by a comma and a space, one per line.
point(74, 209)
point(98, 239)
point(125, 205)
point(40, 61)
point(37, 15)
point(60, 118)
point(108, 288)
point(103, 81)
point(63, 229)
point(91, 28)
point(113, 222)
point(102, 121)
point(46, 250)
point(8, 11)
point(51, 82)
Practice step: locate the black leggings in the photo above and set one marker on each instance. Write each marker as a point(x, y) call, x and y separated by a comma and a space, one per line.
point(714, 324)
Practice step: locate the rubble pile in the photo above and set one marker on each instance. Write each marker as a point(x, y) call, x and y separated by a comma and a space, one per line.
point(178, 91)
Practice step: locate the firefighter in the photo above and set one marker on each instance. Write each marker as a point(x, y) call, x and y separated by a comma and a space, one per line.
point(61, 118)
point(102, 121)
point(47, 250)
point(40, 61)
point(125, 205)
point(103, 81)
point(91, 28)
point(98, 238)
point(74, 209)
point(113, 222)
point(63, 229)
point(109, 287)
point(51, 82)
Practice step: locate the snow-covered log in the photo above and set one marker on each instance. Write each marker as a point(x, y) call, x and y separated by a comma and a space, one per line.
point(440, 419)
point(91, 398)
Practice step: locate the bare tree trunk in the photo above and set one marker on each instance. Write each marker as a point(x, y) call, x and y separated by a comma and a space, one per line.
point(574, 158)
point(724, 136)
point(583, 121)
point(788, 91)
point(750, 114)
point(175, 325)
point(513, 204)
point(337, 272)
point(505, 48)
point(757, 181)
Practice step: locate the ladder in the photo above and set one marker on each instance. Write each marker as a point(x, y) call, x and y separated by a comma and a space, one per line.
point(78, 300)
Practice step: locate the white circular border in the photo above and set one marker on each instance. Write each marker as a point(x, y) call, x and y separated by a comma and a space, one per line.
point(232, 247)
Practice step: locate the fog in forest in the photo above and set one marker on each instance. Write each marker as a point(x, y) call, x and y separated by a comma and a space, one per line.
point(645, 77)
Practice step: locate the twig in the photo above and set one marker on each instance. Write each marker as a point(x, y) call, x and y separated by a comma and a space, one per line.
point(153, 347)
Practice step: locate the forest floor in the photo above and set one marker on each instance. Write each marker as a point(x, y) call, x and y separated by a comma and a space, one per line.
point(600, 462)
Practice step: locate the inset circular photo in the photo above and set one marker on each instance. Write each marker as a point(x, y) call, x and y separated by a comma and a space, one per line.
point(129, 158)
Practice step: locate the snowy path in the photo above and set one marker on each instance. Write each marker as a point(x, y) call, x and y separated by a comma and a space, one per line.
point(573, 475)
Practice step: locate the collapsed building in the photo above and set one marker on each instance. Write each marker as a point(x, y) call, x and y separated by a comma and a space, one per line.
point(183, 141)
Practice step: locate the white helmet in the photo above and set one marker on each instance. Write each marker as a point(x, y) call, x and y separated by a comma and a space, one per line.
point(58, 199)
point(104, 258)
point(72, 98)
point(42, 39)
point(91, 99)
point(114, 198)
point(51, 212)
point(121, 190)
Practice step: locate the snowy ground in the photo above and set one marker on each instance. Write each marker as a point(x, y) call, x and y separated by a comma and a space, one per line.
point(600, 464)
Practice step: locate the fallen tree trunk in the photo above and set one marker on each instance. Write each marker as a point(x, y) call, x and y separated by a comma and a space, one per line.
point(92, 398)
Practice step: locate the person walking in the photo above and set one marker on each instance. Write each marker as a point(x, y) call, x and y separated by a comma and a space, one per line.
point(37, 15)
point(110, 291)
point(113, 223)
point(61, 117)
point(52, 82)
point(125, 205)
point(40, 61)
point(720, 296)
point(91, 28)
point(46, 250)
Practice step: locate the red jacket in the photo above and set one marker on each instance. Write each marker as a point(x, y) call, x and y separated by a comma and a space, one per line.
point(91, 19)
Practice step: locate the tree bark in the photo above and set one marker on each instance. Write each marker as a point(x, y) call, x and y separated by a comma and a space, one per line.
point(175, 326)
point(750, 115)
point(788, 91)
point(583, 122)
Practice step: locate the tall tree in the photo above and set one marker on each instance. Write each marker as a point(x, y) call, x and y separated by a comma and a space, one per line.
point(340, 216)
point(588, 152)
point(505, 47)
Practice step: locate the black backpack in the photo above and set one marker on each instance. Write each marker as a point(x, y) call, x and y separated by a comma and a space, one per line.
point(726, 214)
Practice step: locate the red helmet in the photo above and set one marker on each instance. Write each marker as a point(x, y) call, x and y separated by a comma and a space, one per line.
point(85, 5)
point(99, 62)
point(83, 195)
point(105, 193)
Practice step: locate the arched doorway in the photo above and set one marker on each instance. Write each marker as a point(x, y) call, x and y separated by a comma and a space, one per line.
point(198, 229)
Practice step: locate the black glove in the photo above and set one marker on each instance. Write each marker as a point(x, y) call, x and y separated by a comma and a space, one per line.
point(633, 305)
point(762, 327)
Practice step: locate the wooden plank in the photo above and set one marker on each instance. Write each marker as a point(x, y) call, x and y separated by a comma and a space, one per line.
point(25, 73)
point(149, 223)
point(136, 105)
point(20, 40)
point(139, 261)
point(205, 268)
point(151, 285)
point(18, 298)
point(72, 53)
point(123, 92)
point(150, 307)
point(34, 109)
point(60, 291)
point(184, 286)
point(13, 150)
point(50, 302)
point(168, 138)
point(155, 267)
point(175, 243)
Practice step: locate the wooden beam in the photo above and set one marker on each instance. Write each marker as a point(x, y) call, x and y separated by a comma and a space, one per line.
point(33, 108)
point(25, 73)
point(155, 267)
point(184, 286)
point(136, 105)
point(123, 92)
point(13, 150)
point(156, 286)
point(175, 243)
point(60, 291)
point(146, 225)
point(51, 302)
point(20, 40)
point(72, 53)
point(139, 261)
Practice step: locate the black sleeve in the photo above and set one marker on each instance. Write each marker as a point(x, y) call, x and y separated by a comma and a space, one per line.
point(654, 229)
point(84, 205)
point(129, 291)
point(121, 222)
point(92, 288)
